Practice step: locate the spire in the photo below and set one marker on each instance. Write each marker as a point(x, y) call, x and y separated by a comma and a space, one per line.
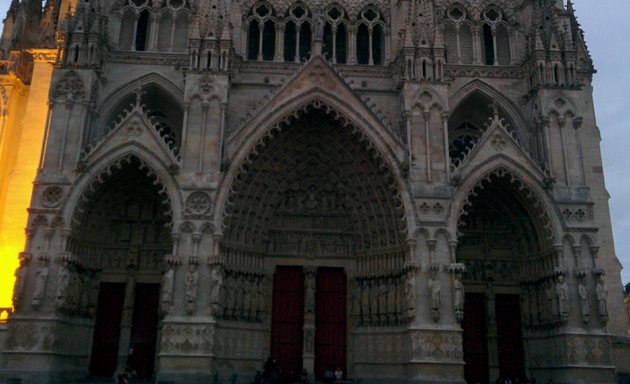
point(539, 46)
point(553, 43)
point(408, 38)
point(439, 39)
point(13, 8)
point(225, 34)
point(194, 31)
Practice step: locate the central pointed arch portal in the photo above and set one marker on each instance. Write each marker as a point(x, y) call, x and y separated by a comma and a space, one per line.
point(315, 206)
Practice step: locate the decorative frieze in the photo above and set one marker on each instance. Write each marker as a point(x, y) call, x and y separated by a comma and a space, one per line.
point(187, 339)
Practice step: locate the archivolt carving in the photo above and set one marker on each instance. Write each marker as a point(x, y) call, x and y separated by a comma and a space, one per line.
point(531, 200)
point(316, 169)
point(102, 177)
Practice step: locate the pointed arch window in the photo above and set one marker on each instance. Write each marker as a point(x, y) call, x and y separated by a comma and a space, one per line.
point(173, 26)
point(261, 33)
point(495, 40)
point(458, 36)
point(297, 34)
point(336, 35)
point(370, 37)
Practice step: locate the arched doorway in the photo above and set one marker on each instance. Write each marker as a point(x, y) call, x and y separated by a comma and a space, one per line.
point(121, 235)
point(507, 254)
point(318, 208)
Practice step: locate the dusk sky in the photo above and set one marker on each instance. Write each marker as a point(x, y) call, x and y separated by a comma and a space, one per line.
point(607, 33)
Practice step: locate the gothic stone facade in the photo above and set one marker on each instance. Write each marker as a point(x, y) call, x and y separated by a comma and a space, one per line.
point(411, 190)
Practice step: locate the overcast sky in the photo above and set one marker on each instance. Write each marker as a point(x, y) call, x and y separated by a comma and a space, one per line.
point(607, 32)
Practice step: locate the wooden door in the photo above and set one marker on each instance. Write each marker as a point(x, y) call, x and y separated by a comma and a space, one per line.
point(330, 321)
point(474, 340)
point(287, 320)
point(111, 297)
point(144, 329)
point(509, 337)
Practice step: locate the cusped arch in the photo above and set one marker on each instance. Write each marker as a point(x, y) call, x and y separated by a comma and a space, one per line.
point(359, 7)
point(539, 204)
point(427, 98)
point(102, 168)
point(381, 144)
point(514, 114)
point(559, 104)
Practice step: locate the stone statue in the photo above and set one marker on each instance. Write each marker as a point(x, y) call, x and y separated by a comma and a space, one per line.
point(216, 281)
point(435, 293)
point(247, 298)
point(191, 288)
point(391, 298)
point(584, 305)
point(356, 301)
point(319, 27)
point(602, 296)
point(167, 288)
point(261, 301)
point(382, 299)
point(63, 280)
point(309, 293)
point(20, 280)
point(41, 277)
point(410, 294)
point(550, 296)
point(365, 302)
point(373, 301)
point(458, 297)
point(562, 297)
point(308, 341)
point(490, 302)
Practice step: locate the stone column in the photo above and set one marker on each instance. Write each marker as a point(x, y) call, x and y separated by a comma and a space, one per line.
point(308, 352)
point(491, 332)
point(126, 321)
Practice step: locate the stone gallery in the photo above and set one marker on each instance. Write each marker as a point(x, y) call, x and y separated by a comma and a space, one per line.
point(410, 191)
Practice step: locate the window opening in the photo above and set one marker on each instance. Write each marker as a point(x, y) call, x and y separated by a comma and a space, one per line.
point(142, 30)
point(377, 45)
point(253, 37)
point(363, 44)
point(488, 44)
point(290, 38)
point(269, 41)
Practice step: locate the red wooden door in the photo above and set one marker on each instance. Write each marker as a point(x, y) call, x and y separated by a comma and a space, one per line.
point(330, 321)
point(474, 340)
point(107, 329)
point(287, 320)
point(144, 329)
point(509, 337)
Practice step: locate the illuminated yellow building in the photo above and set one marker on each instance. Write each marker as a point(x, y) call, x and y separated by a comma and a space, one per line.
point(409, 190)
point(24, 98)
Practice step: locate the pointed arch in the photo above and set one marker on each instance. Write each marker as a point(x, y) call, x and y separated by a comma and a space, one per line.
point(256, 134)
point(118, 95)
point(513, 112)
point(103, 167)
point(539, 203)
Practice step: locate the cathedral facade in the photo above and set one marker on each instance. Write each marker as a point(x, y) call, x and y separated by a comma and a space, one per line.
point(409, 190)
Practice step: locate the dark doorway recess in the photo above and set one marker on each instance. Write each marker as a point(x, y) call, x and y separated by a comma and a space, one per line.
point(107, 329)
point(475, 343)
point(144, 329)
point(330, 320)
point(287, 320)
